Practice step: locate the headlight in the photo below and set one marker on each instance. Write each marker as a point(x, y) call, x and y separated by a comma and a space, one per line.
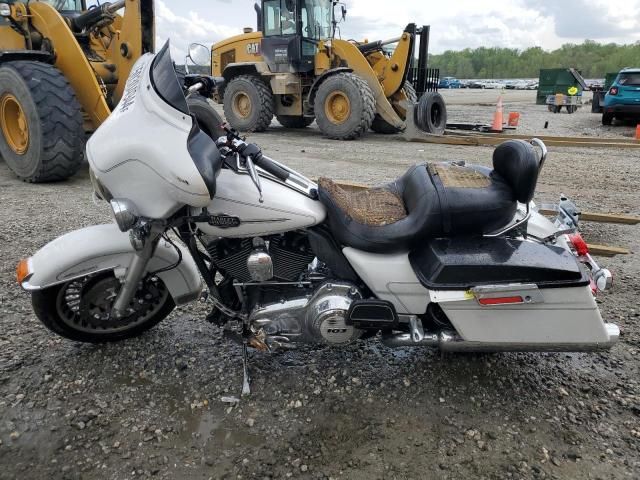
point(124, 213)
point(5, 10)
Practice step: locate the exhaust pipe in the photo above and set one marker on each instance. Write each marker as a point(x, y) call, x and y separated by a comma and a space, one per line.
point(449, 341)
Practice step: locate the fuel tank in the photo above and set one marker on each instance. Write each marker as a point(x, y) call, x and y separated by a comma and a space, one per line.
point(237, 211)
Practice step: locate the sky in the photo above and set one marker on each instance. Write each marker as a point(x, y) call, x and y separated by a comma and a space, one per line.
point(454, 24)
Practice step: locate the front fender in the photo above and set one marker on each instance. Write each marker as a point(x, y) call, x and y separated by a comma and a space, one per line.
point(104, 247)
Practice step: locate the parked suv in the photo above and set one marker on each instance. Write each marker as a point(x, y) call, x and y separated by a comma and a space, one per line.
point(449, 82)
point(623, 98)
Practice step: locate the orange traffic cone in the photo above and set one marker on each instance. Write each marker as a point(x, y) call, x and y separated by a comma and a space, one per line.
point(638, 132)
point(496, 126)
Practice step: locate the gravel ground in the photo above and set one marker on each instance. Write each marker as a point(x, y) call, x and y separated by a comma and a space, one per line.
point(154, 407)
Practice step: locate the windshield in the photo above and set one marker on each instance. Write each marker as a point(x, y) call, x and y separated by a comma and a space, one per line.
point(165, 81)
point(628, 79)
point(66, 5)
point(316, 19)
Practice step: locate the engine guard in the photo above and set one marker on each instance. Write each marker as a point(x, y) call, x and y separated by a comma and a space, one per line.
point(101, 248)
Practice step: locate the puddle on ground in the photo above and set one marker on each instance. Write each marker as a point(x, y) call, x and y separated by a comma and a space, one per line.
point(212, 429)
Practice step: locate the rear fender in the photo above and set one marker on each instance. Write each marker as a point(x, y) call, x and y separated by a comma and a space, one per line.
point(102, 248)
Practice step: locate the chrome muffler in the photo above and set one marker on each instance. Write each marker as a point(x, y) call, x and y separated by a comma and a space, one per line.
point(449, 341)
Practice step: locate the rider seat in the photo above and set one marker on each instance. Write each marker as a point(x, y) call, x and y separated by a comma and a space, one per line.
point(433, 200)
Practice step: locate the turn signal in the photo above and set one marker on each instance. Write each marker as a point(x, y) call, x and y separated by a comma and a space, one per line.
point(22, 270)
point(579, 244)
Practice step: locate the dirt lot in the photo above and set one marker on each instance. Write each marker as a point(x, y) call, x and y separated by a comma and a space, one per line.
point(152, 407)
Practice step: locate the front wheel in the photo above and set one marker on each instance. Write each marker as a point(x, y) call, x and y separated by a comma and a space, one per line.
point(344, 106)
point(41, 134)
point(80, 309)
point(248, 104)
point(607, 118)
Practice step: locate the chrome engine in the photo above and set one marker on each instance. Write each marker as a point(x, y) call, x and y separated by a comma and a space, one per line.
point(316, 318)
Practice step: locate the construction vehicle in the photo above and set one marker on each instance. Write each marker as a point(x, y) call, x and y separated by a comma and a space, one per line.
point(63, 68)
point(293, 67)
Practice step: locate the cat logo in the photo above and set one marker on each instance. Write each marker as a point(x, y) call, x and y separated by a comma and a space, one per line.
point(253, 48)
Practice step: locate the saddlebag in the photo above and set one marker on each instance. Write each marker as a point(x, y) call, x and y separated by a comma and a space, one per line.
point(461, 263)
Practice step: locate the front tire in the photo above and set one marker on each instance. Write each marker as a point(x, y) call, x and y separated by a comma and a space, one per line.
point(79, 309)
point(42, 137)
point(248, 104)
point(344, 106)
point(607, 118)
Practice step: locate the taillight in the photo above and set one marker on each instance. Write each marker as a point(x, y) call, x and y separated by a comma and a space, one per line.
point(579, 244)
point(613, 91)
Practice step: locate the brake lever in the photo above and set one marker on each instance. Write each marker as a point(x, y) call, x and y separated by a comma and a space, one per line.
point(251, 168)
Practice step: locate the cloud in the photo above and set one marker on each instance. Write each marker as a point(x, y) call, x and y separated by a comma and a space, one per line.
point(590, 19)
point(184, 30)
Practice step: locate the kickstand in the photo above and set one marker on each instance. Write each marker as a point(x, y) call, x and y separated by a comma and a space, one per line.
point(246, 388)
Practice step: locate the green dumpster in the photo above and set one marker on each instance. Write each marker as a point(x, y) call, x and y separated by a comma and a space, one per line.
point(554, 81)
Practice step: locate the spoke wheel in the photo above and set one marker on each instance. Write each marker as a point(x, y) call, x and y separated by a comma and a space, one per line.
point(85, 304)
point(14, 124)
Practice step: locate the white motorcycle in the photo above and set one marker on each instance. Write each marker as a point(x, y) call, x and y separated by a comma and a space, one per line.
point(449, 255)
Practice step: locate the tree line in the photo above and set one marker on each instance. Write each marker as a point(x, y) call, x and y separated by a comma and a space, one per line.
point(593, 59)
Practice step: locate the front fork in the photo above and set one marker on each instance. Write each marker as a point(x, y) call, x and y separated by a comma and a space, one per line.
point(136, 269)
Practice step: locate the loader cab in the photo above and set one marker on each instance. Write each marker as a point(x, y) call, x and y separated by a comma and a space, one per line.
point(68, 7)
point(291, 31)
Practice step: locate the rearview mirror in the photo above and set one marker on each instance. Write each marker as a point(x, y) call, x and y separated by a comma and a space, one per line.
point(199, 55)
point(344, 13)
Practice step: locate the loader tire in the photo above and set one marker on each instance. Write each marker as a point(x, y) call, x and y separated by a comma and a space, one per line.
point(380, 125)
point(431, 113)
point(344, 106)
point(42, 136)
point(291, 121)
point(248, 104)
point(209, 121)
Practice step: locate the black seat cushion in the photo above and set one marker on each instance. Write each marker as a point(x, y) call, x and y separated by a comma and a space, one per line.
point(518, 163)
point(469, 199)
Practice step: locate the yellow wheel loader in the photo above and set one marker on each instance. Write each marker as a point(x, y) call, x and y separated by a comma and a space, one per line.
point(293, 67)
point(63, 68)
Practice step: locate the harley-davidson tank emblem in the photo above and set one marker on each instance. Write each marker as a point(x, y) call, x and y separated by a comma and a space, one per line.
point(224, 221)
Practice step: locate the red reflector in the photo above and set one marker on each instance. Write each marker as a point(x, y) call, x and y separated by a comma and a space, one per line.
point(500, 300)
point(579, 244)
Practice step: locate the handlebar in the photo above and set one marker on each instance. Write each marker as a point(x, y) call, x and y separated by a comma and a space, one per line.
point(252, 151)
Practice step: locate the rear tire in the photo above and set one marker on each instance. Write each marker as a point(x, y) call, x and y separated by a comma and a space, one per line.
point(431, 114)
point(607, 118)
point(291, 121)
point(248, 104)
point(45, 142)
point(69, 309)
point(209, 121)
point(380, 125)
point(344, 106)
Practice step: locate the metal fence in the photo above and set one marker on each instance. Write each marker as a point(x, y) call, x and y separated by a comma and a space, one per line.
point(424, 80)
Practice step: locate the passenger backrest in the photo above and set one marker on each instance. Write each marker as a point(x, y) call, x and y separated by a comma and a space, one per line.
point(518, 163)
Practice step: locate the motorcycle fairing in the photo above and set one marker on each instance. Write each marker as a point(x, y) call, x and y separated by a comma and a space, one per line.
point(141, 151)
point(102, 248)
